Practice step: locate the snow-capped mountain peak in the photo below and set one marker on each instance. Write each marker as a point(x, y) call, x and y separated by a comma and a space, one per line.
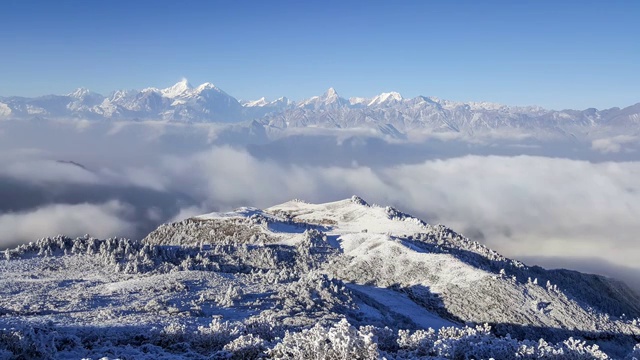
point(205, 86)
point(278, 104)
point(260, 102)
point(329, 99)
point(120, 94)
point(177, 89)
point(282, 100)
point(386, 98)
point(83, 100)
point(432, 99)
point(80, 93)
point(330, 93)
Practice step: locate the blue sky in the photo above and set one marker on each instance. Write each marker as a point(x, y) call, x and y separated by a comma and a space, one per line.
point(557, 54)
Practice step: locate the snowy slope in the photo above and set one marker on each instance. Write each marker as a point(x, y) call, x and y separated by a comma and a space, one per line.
point(459, 278)
point(299, 279)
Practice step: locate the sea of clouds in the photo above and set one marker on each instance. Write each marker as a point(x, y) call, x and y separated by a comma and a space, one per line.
point(553, 208)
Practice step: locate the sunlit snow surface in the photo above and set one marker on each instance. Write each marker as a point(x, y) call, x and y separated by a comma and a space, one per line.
point(277, 282)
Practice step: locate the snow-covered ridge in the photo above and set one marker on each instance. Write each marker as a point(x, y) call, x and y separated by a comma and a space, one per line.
point(370, 233)
point(260, 102)
point(346, 278)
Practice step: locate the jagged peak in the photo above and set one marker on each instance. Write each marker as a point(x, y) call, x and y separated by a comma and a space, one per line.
point(206, 86)
point(358, 200)
point(331, 92)
point(330, 97)
point(150, 89)
point(80, 93)
point(387, 97)
point(256, 103)
point(119, 94)
point(177, 89)
point(263, 102)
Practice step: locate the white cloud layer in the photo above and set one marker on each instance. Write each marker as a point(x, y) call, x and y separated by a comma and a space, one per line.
point(522, 206)
point(100, 220)
point(613, 144)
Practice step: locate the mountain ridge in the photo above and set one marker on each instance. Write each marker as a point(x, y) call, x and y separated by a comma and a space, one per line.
point(185, 103)
point(354, 219)
point(346, 275)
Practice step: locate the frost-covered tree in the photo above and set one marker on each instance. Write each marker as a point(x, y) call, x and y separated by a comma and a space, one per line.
point(341, 341)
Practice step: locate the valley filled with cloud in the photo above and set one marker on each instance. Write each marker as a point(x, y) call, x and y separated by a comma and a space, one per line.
point(573, 209)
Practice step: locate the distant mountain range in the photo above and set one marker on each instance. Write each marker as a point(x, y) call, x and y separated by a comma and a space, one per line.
point(388, 113)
